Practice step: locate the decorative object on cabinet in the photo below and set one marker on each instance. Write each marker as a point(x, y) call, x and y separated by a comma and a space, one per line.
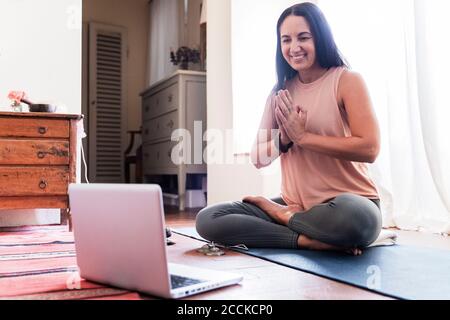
point(18, 97)
point(38, 154)
point(183, 56)
point(177, 102)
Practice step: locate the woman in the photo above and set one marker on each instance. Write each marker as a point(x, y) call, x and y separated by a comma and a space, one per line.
point(326, 132)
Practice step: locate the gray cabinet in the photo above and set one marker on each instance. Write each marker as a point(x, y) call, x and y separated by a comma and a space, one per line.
point(177, 102)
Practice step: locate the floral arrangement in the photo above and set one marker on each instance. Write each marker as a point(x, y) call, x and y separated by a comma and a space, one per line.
point(183, 56)
point(17, 98)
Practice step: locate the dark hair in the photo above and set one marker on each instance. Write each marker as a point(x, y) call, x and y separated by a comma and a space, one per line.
point(327, 52)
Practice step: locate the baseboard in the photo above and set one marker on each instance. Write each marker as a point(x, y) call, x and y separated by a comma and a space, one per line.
point(16, 218)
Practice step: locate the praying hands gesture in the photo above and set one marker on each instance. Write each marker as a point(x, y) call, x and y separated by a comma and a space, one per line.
point(291, 119)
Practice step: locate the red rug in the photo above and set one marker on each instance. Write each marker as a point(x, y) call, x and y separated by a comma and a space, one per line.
point(39, 263)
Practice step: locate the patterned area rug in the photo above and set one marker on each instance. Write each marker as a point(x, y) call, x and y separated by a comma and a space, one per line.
point(39, 263)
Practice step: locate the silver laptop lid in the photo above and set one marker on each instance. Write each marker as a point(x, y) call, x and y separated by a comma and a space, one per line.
point(120, 235)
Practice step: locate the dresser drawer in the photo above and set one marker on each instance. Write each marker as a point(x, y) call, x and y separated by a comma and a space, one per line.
point(158, 155)
point(161, 127)
point(31, 181)
point(164, 101)
point(30, 127)
point(40, 152)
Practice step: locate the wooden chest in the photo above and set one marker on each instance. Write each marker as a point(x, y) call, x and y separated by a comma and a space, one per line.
point(38, 153)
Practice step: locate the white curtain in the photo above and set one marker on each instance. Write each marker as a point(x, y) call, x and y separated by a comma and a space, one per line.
point(401, 50)
point(163, 38)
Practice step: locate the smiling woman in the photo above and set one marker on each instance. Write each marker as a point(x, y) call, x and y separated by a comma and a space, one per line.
point(297, 57)
point(301, 50)
point(318, 119)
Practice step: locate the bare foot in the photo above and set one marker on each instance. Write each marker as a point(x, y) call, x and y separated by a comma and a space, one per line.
point(282, 214)
point(312, 244)
point(278, 212)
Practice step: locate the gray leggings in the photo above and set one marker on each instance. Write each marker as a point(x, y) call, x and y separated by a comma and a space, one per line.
point(348, 220)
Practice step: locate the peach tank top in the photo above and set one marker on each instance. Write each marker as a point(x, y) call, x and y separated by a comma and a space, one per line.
point(310, 178)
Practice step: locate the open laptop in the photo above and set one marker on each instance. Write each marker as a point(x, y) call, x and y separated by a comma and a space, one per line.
point(120, 240)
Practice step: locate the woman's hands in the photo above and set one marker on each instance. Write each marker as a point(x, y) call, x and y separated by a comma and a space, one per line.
point(291, 119)
point(284, 138)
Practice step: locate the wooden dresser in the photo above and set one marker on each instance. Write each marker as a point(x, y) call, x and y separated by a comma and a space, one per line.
point(173, 103)
point(38, 153)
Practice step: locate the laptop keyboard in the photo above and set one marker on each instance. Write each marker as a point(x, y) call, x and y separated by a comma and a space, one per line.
point(179, 281)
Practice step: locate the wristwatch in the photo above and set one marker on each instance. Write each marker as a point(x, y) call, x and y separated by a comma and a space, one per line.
point(284, 148)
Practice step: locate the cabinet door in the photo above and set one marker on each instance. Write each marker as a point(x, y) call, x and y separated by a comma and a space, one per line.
point(34, 128)
point(159, 156)
point(107, 102)
point(161, 127)
point(33, 181)
point(34, 152)
point(160, 102)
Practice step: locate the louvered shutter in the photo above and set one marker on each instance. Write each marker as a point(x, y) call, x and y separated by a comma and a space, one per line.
point(107, 110)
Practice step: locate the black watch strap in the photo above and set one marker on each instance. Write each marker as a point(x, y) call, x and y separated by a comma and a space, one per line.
point(284, 148)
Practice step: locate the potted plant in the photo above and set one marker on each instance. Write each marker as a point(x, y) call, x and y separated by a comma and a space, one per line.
point(183, 56)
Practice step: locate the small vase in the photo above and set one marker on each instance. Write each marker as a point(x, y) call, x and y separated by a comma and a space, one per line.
point(17, 108)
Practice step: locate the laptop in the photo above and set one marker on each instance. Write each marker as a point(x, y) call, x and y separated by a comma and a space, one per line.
point(120, 240)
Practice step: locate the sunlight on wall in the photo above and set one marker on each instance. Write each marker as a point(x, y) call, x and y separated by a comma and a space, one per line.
point(253, 45)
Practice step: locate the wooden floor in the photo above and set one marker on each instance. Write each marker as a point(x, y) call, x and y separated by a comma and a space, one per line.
point(266, 280)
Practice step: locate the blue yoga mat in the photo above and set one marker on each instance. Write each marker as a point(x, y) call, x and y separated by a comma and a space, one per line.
point(398, 271)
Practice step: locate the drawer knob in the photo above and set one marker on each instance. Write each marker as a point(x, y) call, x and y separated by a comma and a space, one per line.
point(42, 130)
point(43, 184)
point(170, 124)
point(41, 155)
point(170, 98)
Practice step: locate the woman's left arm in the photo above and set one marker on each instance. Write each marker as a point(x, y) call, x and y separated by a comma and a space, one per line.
point(364, 143)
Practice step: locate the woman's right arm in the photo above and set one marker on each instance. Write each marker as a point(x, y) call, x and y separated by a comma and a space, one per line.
point(265, 147)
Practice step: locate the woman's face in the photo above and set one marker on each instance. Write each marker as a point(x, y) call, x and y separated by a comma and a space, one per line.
point(297, 44)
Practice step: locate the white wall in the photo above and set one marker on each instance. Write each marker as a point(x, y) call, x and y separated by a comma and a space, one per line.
point(134, 16)
point(40, 53)
point(228, 182)
point(40, 50)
